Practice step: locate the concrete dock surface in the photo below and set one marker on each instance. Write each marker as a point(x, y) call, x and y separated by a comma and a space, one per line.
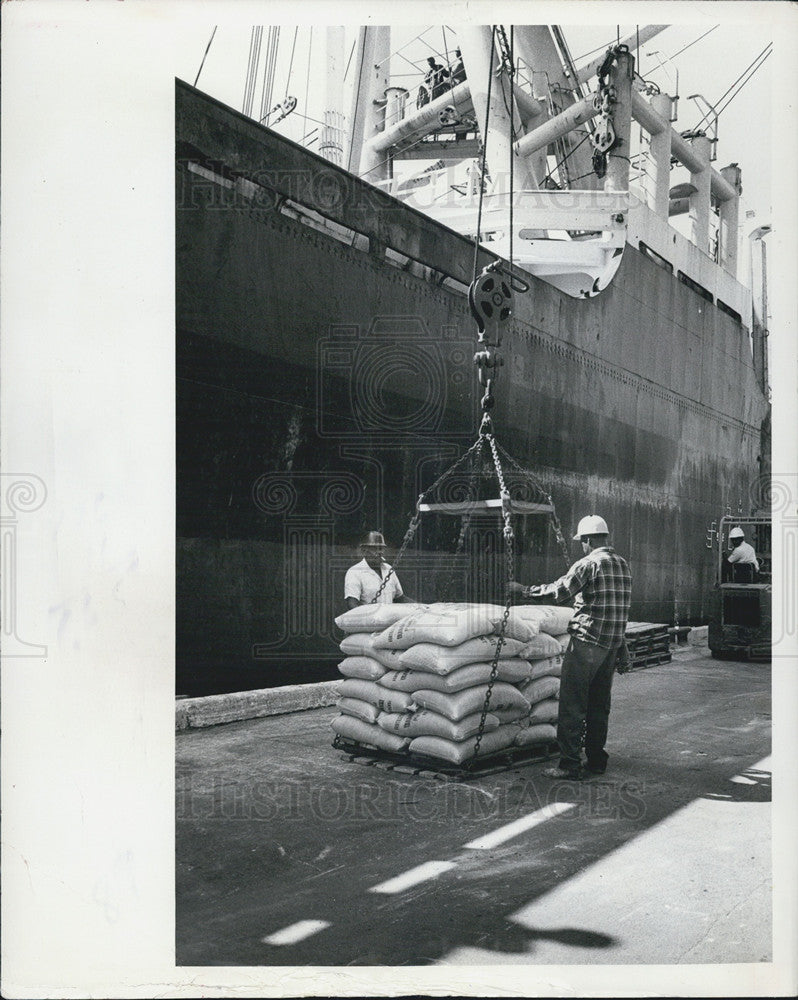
point(288, 853)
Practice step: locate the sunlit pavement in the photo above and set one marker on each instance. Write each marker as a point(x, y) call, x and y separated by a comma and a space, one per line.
point(288, 854)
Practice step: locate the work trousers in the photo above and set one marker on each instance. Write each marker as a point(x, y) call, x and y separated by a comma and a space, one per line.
point(585, 688)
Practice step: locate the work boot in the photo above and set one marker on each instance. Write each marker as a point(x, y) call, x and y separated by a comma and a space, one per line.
point(564, 773)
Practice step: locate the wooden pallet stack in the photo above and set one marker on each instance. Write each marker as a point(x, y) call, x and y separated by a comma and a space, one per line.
point(648, 644)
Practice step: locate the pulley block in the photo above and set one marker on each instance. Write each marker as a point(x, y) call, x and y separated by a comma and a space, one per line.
point(491, 300)
point(603, 137)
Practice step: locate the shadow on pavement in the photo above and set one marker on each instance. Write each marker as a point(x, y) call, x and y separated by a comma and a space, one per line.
point(275, 827)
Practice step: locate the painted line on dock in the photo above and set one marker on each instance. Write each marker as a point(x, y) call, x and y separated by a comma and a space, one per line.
point(519, 826)
point(296, 932)
point(415, 876)
point(761, 767)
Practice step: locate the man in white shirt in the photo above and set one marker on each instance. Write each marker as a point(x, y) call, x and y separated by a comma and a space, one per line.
point(742, 556)
point(363, 580)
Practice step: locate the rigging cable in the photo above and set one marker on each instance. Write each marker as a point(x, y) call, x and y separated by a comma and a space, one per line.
point(291, 63)
point(256, 64)
point(206, 54)
point(399, 50)
point(566, 157)
point(349, 60)
point(686, 47)
point(512, 140)
point(310, 54)
point(273, 72)
point(745, 81)
point(767, 49)
point(269, 71)
point(361, 38)
point(598, 48)
point(266, 65)
point(252, 69)
point(484, 152)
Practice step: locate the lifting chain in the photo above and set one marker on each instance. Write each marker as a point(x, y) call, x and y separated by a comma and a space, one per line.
point(505, 53)
point(411, 530)
point(555, 521)
point(603, 136)
point(509, 549)
point(416, 518)
point(465, 520)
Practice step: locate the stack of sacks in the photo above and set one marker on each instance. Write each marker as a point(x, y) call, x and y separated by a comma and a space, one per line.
point(445, 655)
point(362, 700)
point(545, 655)
point(421, 683)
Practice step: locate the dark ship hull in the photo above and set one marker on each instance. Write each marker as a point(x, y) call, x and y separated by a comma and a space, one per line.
point(324, 378)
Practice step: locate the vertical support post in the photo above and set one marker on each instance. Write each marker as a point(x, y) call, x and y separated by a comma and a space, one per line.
point(331, 140)
point(475, 45)
point(660, 150)
point(396, 103)
point(700, 199)
point(331, 145)
point(538, 162)
point(368, 103)
point(617, 176)
point(765, 374)
point(729, 220)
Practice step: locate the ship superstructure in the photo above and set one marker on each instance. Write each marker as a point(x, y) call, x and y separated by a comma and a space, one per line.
point(325, 343)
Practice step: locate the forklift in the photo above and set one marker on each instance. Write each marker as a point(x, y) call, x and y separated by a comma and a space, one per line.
point(742, 597)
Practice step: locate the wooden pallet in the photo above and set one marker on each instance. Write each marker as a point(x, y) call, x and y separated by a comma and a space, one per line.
point(645, 645)
point(648, 644)
point(650, 661)
point(643, 628)
point(419, 765)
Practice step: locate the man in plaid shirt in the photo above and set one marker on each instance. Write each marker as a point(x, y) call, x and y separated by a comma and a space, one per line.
point(601, 584)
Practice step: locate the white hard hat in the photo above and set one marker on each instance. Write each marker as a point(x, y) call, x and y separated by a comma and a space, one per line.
point(737, 532)
point(591, 525)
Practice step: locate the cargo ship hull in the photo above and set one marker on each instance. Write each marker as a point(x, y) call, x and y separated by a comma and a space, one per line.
point(324, 378)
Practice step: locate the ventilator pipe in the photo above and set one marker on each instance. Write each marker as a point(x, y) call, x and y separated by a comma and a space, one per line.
point(660, 159)
point(728, 220)
point(396, 98)
point(423, 121)
point(555, 128)
point(700, 199)
point(653, 123)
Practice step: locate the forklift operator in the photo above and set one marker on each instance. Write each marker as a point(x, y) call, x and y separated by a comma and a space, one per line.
point(742, 557)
